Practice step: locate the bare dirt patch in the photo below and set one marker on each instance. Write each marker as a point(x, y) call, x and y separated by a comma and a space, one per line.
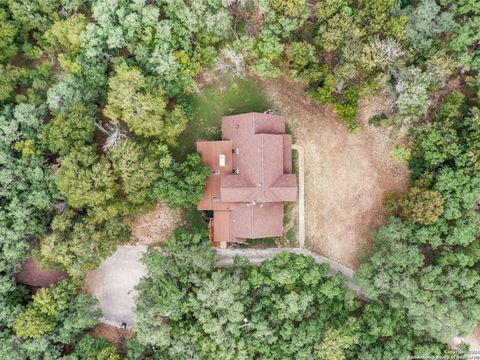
point(153, 227)
point(347, 176)
point(114, 335)
point(31, 274)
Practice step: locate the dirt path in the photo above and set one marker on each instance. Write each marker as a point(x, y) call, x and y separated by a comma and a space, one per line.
point(116, 336)
point(113, 284)
point(347, 176)
point(471, 339)
point(301, 195)
point(256, 256)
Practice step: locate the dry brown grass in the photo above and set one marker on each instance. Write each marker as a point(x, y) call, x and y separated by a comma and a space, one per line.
point(347, 176)
point(153, 227)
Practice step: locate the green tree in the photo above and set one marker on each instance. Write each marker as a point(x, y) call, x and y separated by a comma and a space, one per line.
point(266, 52)
point(218, 308)
point(8, 32)
point(385, 333)
point(78, 245)
point(426, 23)
point(185, 185)
point(303, 63)
point(136, 100)
point(58, 312)
point(338, 30)
point(139, 164)
point(85, 84)
point(85, 179)
point(334, 344)
point(291, 294)
point(8, 82)
point(64, 35)
point(28, 191)
point(173, 272)
point(93, 348)
point(289, 7)
point(422, 206)
point(395, 274)
point(415, 86)
point(398, 260)
point(70, 129)
point(288, 307)
point(33, 15)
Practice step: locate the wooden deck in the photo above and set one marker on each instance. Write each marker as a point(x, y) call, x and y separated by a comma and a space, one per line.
point(211, 232)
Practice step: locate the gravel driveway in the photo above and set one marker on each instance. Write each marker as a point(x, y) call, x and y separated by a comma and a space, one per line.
point(114, 281)
point(113, 284)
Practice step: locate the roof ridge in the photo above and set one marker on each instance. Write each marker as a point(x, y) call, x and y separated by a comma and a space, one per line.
point(275, 183)
point(263, 170)
point(247, 183)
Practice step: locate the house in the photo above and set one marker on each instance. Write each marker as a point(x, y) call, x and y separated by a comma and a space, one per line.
point(251, 178)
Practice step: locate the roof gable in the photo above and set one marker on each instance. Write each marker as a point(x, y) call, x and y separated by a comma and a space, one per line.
point(284, 188)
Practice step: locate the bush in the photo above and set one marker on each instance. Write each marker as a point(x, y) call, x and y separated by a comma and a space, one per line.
point(289, 7)
point(401, 154)
point(185, 185)
point(378, 119)
point(345, 104)
point(422, 206)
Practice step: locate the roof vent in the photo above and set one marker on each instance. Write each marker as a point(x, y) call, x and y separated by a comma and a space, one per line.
point(236, 171)
point(221, 159)
point(216, 172)
point(215, 198)
point(235, 151)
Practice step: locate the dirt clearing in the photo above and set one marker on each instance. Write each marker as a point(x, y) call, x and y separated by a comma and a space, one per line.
point(347, 176)
point(153, 227)
point(113, 284)
point(114, 335)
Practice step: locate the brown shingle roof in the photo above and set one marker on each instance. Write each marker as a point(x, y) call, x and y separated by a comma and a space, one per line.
point(262, 220)
point(287, 154)
point(261, 178)
point(210, 152)
point(236, 188)
point(284, 188)
point(221, 225)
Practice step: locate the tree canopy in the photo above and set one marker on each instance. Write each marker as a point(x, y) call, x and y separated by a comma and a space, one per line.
point(288, 307)
point(94, 96)
point(427, 263)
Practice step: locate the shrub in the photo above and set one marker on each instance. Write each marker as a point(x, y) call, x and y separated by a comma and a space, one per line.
point(289, 7)
point(344, 104)
point(377, 119)
point(422, 206)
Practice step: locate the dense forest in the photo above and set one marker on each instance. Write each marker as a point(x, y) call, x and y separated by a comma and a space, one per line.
point(287, 308)
point(93, 98)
